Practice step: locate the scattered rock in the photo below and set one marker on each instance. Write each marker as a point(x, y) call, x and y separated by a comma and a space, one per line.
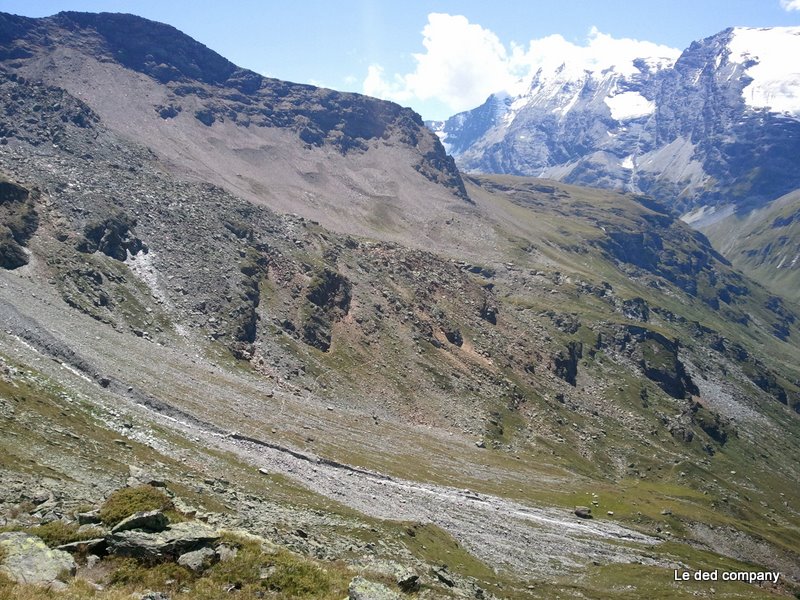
point(361, 589)
point(153, 596)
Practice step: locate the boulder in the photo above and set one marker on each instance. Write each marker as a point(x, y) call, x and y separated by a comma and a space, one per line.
point(198, 560)
point(151, 520)
point(443, 575)
point(174, 541)
point(362, 589)
point(407, 580)
point(27, 559)
point(584, 512)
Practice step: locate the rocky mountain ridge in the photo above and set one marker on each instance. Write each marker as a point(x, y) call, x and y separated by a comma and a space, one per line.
point(196, 110)
point(718, 126)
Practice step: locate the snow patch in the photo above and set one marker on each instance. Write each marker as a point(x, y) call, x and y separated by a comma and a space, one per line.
point(776, 74)
point(627, 162)
point(629, 105)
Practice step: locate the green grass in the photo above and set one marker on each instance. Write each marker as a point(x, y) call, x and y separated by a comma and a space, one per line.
point(57, 533)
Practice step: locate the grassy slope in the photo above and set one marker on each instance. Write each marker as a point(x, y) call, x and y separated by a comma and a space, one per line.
point(764, 244)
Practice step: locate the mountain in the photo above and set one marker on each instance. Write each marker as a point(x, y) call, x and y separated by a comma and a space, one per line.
point(280, 310)
point(719, 125)
point(216, 122)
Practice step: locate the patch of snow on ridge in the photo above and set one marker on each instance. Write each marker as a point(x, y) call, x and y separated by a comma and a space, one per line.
point(776, 74)
point(629, 105)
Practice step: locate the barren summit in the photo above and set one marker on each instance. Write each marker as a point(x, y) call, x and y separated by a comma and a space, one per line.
point(263, 339)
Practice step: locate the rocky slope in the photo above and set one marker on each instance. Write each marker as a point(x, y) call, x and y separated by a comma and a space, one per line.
point(365, 399)
point(719, 125)
point(288, 146)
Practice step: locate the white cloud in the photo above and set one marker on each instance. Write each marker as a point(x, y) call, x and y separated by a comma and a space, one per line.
point(464, 63)
point(600, 52)
point(790, 5)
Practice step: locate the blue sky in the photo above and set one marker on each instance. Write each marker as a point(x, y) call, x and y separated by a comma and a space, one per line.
point(379, 47)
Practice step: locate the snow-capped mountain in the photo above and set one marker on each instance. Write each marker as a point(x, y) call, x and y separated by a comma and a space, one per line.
point(718, 124)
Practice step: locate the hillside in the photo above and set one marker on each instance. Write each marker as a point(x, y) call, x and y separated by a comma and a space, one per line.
point(763, 243)
point(325, 336)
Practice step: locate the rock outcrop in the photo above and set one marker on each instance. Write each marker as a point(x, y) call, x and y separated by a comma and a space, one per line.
point(27, 559)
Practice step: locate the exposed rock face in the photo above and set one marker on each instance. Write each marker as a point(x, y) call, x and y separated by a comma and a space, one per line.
point(113, 236)
point(29, 560)
point(660, 363)
point(18, 222)
point(318, 117)
point(328, 295)
point(657, 357)
point(565, 363)
point(176, 540)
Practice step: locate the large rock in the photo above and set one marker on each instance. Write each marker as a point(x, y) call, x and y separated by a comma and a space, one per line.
point(198, 560)
point(407, 580)
point(151, 520)
point(174, 541)
point(361, 589)
point(29, 560)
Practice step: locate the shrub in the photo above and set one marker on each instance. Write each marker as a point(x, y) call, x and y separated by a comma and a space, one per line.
point(126, 501)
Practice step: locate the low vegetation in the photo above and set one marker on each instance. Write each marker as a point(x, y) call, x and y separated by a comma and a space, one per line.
point(126, 501)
